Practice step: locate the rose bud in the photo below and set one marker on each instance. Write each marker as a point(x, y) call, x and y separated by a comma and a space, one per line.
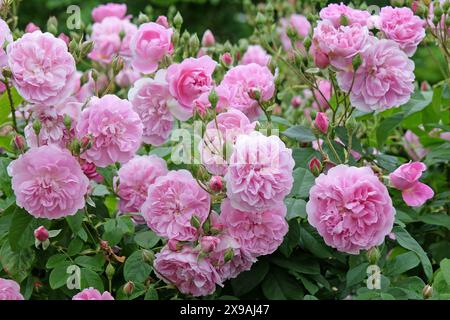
point(427, 291)
point(19, 143)
point(216, 183)
point(296, 101)
point(41, 234)
point(208, 39)
point(315, 166)
point(162, 20)
point(227, 59)
point(64, 38)
point(31, 27)
point(209, 243)
point(321, 122)
point(128, 288)
point(173, 245)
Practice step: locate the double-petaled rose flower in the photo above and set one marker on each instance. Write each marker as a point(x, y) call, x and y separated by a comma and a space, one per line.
point(9, 290)
point(5, 38)
point(92, 294)
point(48, 182)
point(256, 54)
point(337, 13)
point(350, 208)
point(43, 70)
point(114, 127)
point(298, 24)
point(109, 10)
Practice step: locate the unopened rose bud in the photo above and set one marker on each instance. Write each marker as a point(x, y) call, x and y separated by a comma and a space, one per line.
point(75, 146)
point(19, 143)
point(427, 291)
point(425, 86)
point(31, 27)
point(162, 20)
point(398, 3)
point(142, 18)
point(37, 126)
point(195, 222)
point(86, 47)
point(321, 122)
point(117, 64)
point(52, 25)
point(41, 234)
point(216, 183)
point(226, 59)
point(255, 94)
point(373, 255)
point(315, 166)
point(104, 244)
point(86, 143)
point(194, 42)
point(67, 122)
point(209, 243)
point(110, 270)
point(178, 20)
point(228, 255)
point(173, 245)
point(213, 98)
point(128, 288)
point(148, 256)
point(64, 38)
point(208, 39)
point(6, 73)
point(296, 102)
point(260, 19)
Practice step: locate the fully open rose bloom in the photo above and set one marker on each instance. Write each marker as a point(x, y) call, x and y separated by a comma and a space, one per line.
point(190, 273)
point(230, 125)
point(384, 80)
point(256, 54)
point(48, 182)
point(406, 178)
point(187, 81)
point(109, 10)
point(111, 37)
point(5, 38)
point(116, 130)
point(92, 294)
point(151, 99)
point(149, 45)
point(9, 290)
point(350, 208)
point(43, 70)
point(134, 179)
point(240, 81)
point(334, 12)
point(299, 24)
point(259, 175)
point(402, 26)
point(258, 233)
point(172, 201)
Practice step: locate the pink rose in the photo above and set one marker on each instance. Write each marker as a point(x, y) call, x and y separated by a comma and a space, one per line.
point(48, 182)
point(112, 36)
point(134, 178)
point(9, 290)
point(162, 20)
point(296, 101)
point(238, 83)
point(350, 208)
point(43, 70)
point(321, 122)
point(258, 233)
point(92, 294)
point(31, 27)
point(321, 59)
point(208, 39)
point(323, 95)
point(299, 24)
point(406, 178)
point(384, 80)
point(230, 125)
point(341, 45)
point(5, 39)
point(90, 170)
point(115, 129)
point(151, 99)
point(109, 10)
point(209, 243)
point(256, 54)
point(259, 174)
point(187, 81)
point(402, 26)
point(187, 271)
point(149, 45)
point(413, 147)
point(127, 77)
point(172, 202)
point(41, 233)
point(334, 12)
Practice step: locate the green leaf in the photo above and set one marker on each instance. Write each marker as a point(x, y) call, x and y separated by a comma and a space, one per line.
point(75, 246)
point(246, 281)
point(401, 263)
point(408, 242)
point(59, 275)
point(5, 109)
point(146, 239)
point(95, 263)
point(279, 285)
point(135, 268)
point(17, 264)
point(445, 270)
point(297, 263)
point(91, 279)
point(302, 156)
point(303, 181)
point(21, 230)
point(356, 275)
point(291, 239)
point(54, 260)
point(75, 222)
point(151, 294)
point(295, 208)
point(309, 240)
point(386, 126)
point(436, 219)
point(300, 133)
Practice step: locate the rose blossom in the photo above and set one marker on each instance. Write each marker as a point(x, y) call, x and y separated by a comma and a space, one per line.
point(151, 99)
point(127, 77)
point(402, 26)
point(321, 122)
point(187, 81)
point(334, 12)
point(5, 38)
point(384, 80)
point(31, 27)
point(340, 45)
point(92, 294)
point(90, 170)
point(350, 208)
point(162, 20)
point(258, 233)
point(323, 95)
point(134, 178)
point(48, 182)
point(256, 54)
point(299, 24)
point(41, 233)
point(43, 70)
point(406, 178)
point(239, 81)
point(115, 129)
point(109, 10)
point(208, 39)
point(172, 202)
point(413, 147)
point(149, 45)
point(230, 125)
point(9, 290)
point(112, 36)
point(259, 175)
point(187, 271)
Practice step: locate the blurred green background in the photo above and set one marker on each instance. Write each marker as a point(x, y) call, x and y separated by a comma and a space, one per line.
point(223, 17)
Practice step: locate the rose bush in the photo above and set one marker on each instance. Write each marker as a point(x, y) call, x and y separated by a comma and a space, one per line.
point(140, 162)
